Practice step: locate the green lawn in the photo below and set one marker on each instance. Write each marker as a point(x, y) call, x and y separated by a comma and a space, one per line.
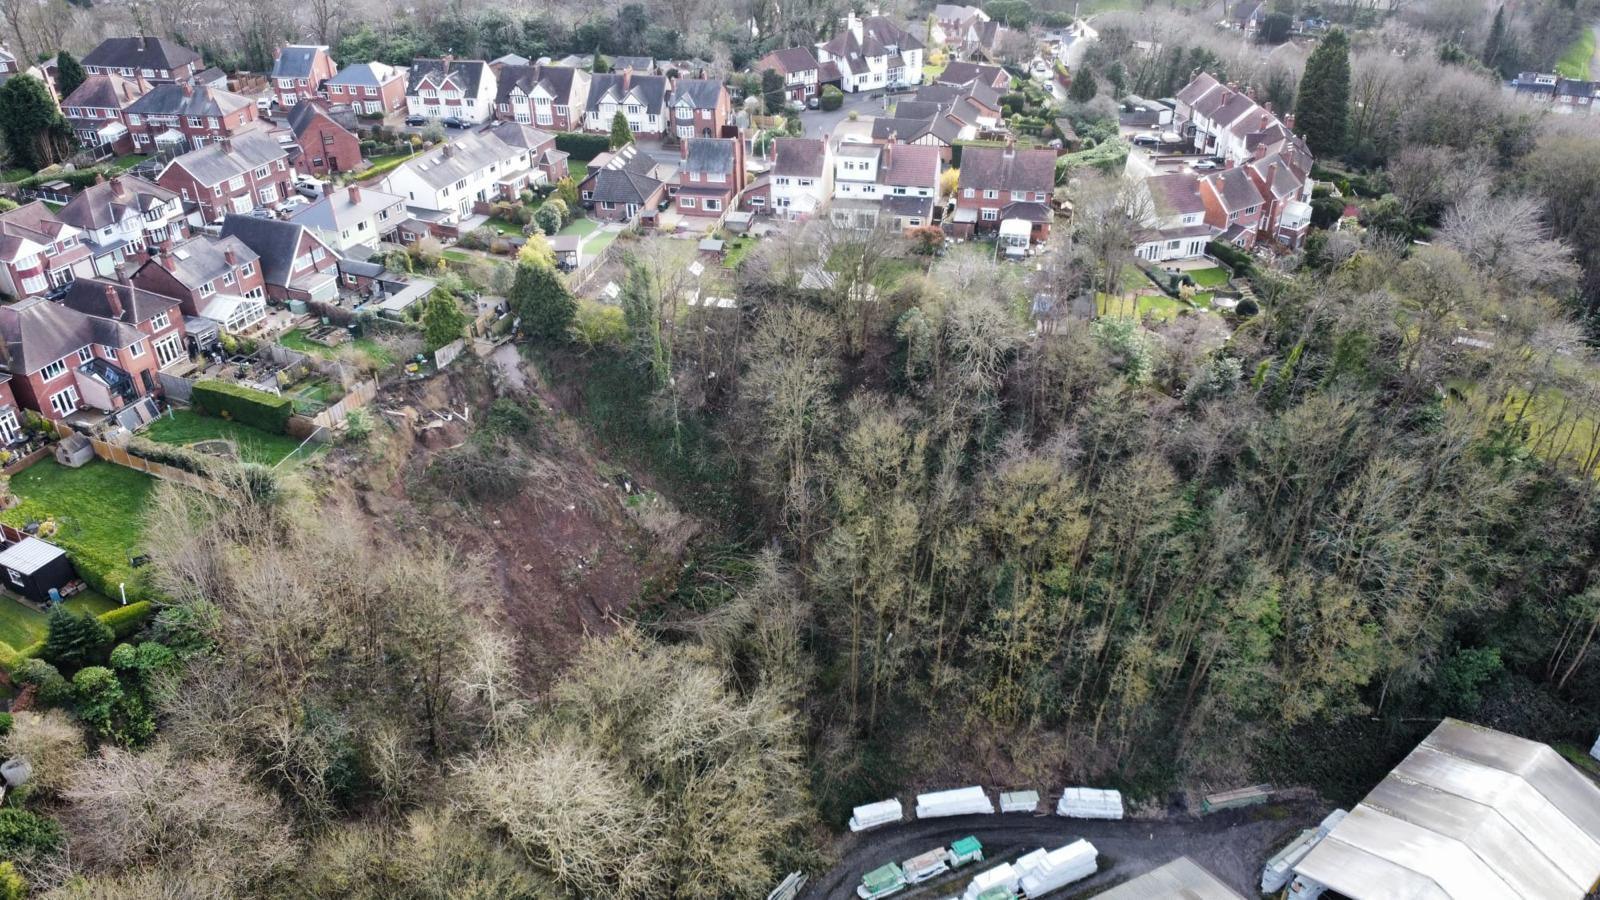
point(456, 255)
point(1574, 63)
point(578, 169)
point(580, 227)
point(930, 74)
point(382, 165)
point(98, 508)
point(22, 625)
point(598, 243)
point(1160, 306)
point(183, 427)
point(10, 175)
point(296, 339)
point(124, 163)
point(1208, 278)
point(738, 249)
point(501, 226)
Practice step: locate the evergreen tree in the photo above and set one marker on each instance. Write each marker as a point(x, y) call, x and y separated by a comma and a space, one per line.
point(1117, 77)
point(1323, 109)
point(1495, 47)
point(442, 320)
point(32, 124)
point(772, 91)
point(621, 134)
point(69, 74)
point(1083, 87)
point(542, 301)
point(74, 640)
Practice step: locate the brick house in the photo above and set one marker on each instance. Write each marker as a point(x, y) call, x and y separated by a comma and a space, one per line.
point(541, 146)
point(180, 117)
point(626, 186)
point(1001, 183)
point(711, 176)
point(440, 88)
point(10, 425)
point(327, 144)
point(799, 181)
point(368, 87)
point(218, 278)
point(452, 179)
point(700, 107)
point(544, 96)
point(233, 175)
point(158, 317)
point(156, 60)
point(298, 72)
point(296, 264)
point(97, 111)
point(38, 251)
point(122, 219)
point(799, 68)
point(640, 98)
point(62, 360)
point(1233, 204)
point(892, 182)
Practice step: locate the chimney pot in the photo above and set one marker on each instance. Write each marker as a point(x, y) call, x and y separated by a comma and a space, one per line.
point(121, 271)
point(188, 89)
point(229, 256)
point(355, 193)
point(227, 143)
point(114, 301)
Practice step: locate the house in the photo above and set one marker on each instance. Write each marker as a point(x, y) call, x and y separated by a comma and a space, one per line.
point(711, 176)
point(924, 123)
point(158, 317)
point(640, 98)
point(36, 569)
point(975, 103)
point(964, 72)
point(326, 136)
point(122, 219)
point(8, 64)
point(354, 217)
point(96, 111)
point(198, 269)
point(543, 157)
point(296, 263)
point(642, 64)
point(156, 60)
point(873, 53)
point(1003, 183)
point(627, 185)
point(1233, 204)
point(1177, 227)
point(798, 183)
point(800, 70)
point(546, 96)
point(462, 88)
point(234, 174)
point(451, 179)
point(891, 182)
point(979, 39)
point(510, 59)
point(298, 72)
point(950, 21)
point(389, 294)
point(1565, 95)
point(38, 251)
point(370, 88)
point(61, 360)
point(1246, 15)
point(1282, 180)
point(212, 77)
point(700, 107)
point(173, 118)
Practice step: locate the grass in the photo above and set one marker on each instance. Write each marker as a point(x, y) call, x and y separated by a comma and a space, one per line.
point(124, 163)
point(1203, 299)
point(579, 227)
point(1208, 278)
point(1574, 63)
point(738, 249)
point(22, 625)
point(501, 226)
point(578, 169)
point(930, 74)
point(382, 165)
point(296, 340)
point(1579, 757)
point(184, 427)
point(99, 510)
point(456, 255)
point(1160, 306)
point(14, 175)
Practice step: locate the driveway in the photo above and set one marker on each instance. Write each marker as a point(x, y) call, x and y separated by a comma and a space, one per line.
point(1232, 845)
point(867, 105)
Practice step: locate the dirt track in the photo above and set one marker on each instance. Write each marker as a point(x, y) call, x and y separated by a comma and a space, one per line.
point(1233, 845)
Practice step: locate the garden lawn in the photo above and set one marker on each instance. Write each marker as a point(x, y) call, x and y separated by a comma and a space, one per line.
point(1574, 63)
point(1160, 306)
point(10, 175)
point(580, 227)
point(381, 165)
point(510, 229)
point(99, 508)
point(578, 169)
point(183, 427)
point(456, 255)
point(124, 163)
point(738, 249)
point(21, 625)
point(1208, 278)
point(295, 339)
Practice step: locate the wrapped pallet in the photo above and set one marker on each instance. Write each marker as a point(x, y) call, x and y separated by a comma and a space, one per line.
point(1019, 801)
point(1090, 803)
point(1056, 869)
point(1001, 876)
point(958, 802)
point(872, 815)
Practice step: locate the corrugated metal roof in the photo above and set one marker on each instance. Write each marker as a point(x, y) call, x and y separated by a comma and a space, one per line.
point(29, 555)
point(1181, 879)
point(1470, 813)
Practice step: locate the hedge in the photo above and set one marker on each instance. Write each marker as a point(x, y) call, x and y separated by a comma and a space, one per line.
point(583, 147)
point(1237, 259)
point(247, 406)
point(125, 621)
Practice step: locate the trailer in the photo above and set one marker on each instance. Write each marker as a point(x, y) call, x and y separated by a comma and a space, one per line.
point(1019, 802)
point(1279, 870)
point(1045, 872)
point(958, 802)
point(1090, 803)
point(924, 866)
point(881, 882)
point(1000, 878)
point(871, 815)
point(1235, 799)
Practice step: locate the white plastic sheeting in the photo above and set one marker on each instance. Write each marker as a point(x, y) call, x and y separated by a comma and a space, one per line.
point(1002, 875)
point(1043, 872)
point(1090, 803)
point(1019, 801)
point(871, 815)
point(958, 802)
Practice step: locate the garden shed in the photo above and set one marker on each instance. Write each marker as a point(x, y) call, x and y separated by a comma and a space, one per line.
point(34, 567)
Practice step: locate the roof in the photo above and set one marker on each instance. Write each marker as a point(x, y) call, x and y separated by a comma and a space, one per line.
point(910, 165)
point(1004, 168)
point(878, 34)
point(140, 53)
point(104, 92)
point(709, 156)
point(362, 268)
point(303, 115)
point(1176, 194)
point(336, 211)
point(1196, 89)
point(108, 202)
point(296, 60)
point(32, 222)
point(88, 296)
point(467, 73)
point(800, 157)
point(187, 100)
point(38, 332)
point(368, 74)
point(1026, 210)
point(701, 93)
point(1246, 11)
point(448, 163)
point(29, 555)
point(1181, 879)
point(636, 63)
point(788, 60)
point(275, 241)
point(1233, 188)
point(627, 178)
point(650, 89)
point(558, 82)
point(212, 76)
point(516, 134)
point(1471, 812)
point(510, 59)
point(1284, 181)
point(244, 152)
point(201, 259)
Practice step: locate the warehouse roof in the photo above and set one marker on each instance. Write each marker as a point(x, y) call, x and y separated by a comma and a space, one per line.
point(1181, 879)
point(1470, 813)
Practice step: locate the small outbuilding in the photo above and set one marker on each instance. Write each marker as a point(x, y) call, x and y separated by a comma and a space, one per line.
point(33, 568)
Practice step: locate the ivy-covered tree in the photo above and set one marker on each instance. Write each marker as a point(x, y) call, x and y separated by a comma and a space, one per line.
point(32, 124)
point(621, 134)
point(1494, 49)
point(1322, 111)
point(1083, 87)
point(69, 74)
point(772, 91)
point(542, 301)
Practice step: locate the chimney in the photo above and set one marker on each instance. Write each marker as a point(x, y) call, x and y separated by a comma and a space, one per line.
point(229, 256)
point(683, 148)
point(449, 150)
point(165, 248)
point(1272, 172)
point(188, 89)
point(1011, 148)
point(1267, 106)
point(277, 53)
point(141, 43)
point(447, 60)
point(888, 152)
point(355, 194)
point(114, 301)
point(118, 188)
point(121, 272)
point(1288, 121)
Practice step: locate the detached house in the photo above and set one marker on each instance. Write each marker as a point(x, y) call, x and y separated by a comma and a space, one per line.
point(234, 175)
point(445, 183)
point(296, 264)
point(1000, 184)
point(173, 118)
point(873, 53)
point(298, 72)
point(368, 87)
point(711, 176)
point(964, 72)
point(158, 317)
point(545, 96)
point(61, 360)
point(97, 111)
point(463, 88)
point(156, 60)
point(543, 156)
point(950, 21)
point(626, 185)
point(799, 182)
point(215, 278)
point(38, 251)
point(700, 107)
point(325, 136)
point(802, 74)
point(1177, 227)
point(122, 219)
point(640, 98)
point(893, 182)
point(354, 217)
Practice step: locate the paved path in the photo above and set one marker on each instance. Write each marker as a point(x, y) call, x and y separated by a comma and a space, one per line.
point(1233, 845)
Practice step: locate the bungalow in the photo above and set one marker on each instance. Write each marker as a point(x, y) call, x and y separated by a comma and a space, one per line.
point(173, 118)
point(96, 111)
point(370, 88)
point(296, 264)
point(298, 72)
point(158, 317)
point(1002, 183)
point(39, 251)
point(235, 174)
point(711, 176)
point(873, 53)
point(640, 98)
point(799, 182)
point(871, 179)
point(354, 217)
point(61, 360)
point(449, 180)
point(626, 186)
point(156, 60)
point(462, 88)
point(546, 96)
point(122, 219)
point(326, 137)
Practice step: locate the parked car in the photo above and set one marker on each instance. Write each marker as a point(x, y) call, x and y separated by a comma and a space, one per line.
point(292, 205)
point(1146, 140)
point(264, 104)
point(261, 212)
point(59, 291)
point(416, 120)
point(812, 103)
point(310, 188)
point(453, 122)
point(1206, 164)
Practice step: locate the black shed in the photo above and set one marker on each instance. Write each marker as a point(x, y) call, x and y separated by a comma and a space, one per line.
point(32, 567)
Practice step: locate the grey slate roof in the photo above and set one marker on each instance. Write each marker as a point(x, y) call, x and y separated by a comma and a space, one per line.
point(1175, 194)
point(140, 53)
point(517, 134)
point(276, 242)
point(201, 259)
point(213, 164)
point(213, 77)
point(709, 156)
point(104, 92)
point(1233, 188)
point(38, 332)
point(700, 93)
point(467, 72)
point(88, 296)
point(187, 100)
point(636, 63)
point(108, 202)
point(800, 157)
point(627, 178)
point(336, 211)
point(368, 74)
point(558, 82)
point(788, 60)
point(650, 89)
point(295, 60)
point(997, 168)
point(302, 115)
point(449, 163)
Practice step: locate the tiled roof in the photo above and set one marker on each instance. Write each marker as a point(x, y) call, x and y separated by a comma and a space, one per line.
point(275, 241)
point(1001, 168)
point(517, 134)
point(446, 164)
point(558, 82)
point(788, 60)
point(1234, 189)
point(650, 89)
point(216, 163)
point(910, 165)
point(709, 156)
point(104, 92)
point(38, 332)
point(29, 222)
point(800, 157)
point(468, 73)
point(700, 93)
point(108, 202)
point(296, 60)
point(140, 53)
point(201, 259)
point(187, 100)
point(88, 296)
point(369, 74)
point(1176, 194)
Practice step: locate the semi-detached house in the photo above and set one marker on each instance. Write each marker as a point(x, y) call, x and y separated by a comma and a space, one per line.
point(156, 60)
point(368, 87)
point(803, 76)
point(96, 110)
point(442, 88)
point(38, 251)
point(449, 180)
point(700, 107)
point(122, 219)
point(234, 175)
point(296, 263)
point(552, 97)
point(175, 117)
point(215, 278)
point(640, 98)
point(160, 318)
point(1004, 184)
point(354, 217)
point(61, 360)
point(884, 183)
point(298, 72)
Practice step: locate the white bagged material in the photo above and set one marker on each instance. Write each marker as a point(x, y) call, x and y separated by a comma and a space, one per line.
point(1003, 874)
point(871, 815)
point(959, 802)
point(1090, 803)
point(1019, 802)
point(1058, 868)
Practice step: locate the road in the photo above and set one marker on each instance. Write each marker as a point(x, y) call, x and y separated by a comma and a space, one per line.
point(1233, 845)
point(867, 105)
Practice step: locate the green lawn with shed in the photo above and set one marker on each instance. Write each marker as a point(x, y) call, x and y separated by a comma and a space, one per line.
point(182, 427)
point(98, 510)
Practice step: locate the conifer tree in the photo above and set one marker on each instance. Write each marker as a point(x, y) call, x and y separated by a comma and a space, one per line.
point(1323, 108)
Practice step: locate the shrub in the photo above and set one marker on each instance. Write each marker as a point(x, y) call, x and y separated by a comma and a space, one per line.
point(1325, 211)
point(582, 147)
point(5, 724)
point(12, 885)
point(246, 406)
point(1237, 259)
point(831, 99)
point(126, 620)
point(507, 418)
point(475, 472)
point(48, 684)
point(74, 640)
point(25, 835)
point(548, 218)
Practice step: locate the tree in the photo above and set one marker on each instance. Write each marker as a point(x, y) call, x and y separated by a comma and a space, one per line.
point(443, 320)
point(1083, 87)
point(536, 250)
point(32, 124)
point(115, 714)
point(541, 300)
point(772, 93)
point(1322, 110)
point(1494, 48)
point(1275, 28)
point(74, 640)
point(831, 98)
point(69, 74)
point(621, 134)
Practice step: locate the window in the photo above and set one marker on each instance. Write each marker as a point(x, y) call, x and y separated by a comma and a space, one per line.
point(160, 321)
point(136, 351)
point(246, 270)
point(990, 195)
point(85, 353)
point(989, 215)
point(713, 204)
point(782, 179)
point(195, 122)
point(227, 278)
point(263, 172)
point(687, 202)
point(8, 426)
point(108, 351)
point(318, 254)
point(207, 289)
point(967, 192)
point(64, 402)
point(54, 370)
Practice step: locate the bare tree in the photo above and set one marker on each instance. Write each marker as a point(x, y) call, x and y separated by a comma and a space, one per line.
point(1506, 238)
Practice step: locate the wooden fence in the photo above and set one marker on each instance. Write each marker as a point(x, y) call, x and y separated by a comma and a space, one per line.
point(447, 354)
point(120, 456)
point(357, 397)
